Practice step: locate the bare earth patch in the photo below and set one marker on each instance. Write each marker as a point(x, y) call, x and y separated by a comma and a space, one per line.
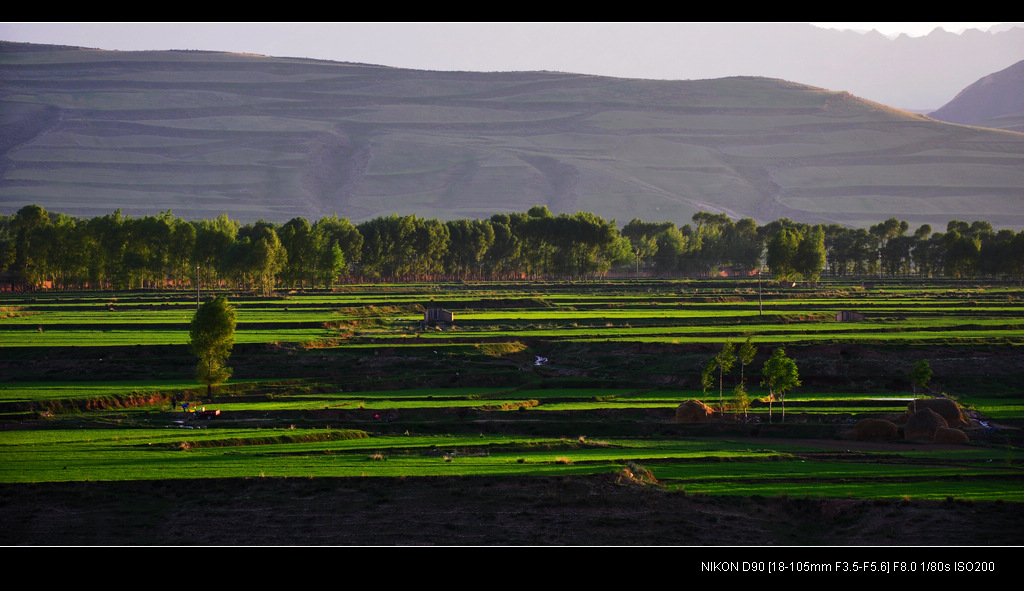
point(573, 511)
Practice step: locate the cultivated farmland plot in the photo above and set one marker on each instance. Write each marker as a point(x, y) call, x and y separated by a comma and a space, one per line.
point(530, 381)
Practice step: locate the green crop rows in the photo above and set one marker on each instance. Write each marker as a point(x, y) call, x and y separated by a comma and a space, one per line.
point(330, 384)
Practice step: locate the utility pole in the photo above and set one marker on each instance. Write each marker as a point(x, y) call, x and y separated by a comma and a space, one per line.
point(197, 286)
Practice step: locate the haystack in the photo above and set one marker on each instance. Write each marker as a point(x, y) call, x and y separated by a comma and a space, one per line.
point(693, 411)
point(635, 474)
point(950, 435)
point(875, 430)
point(946, 408)
point(923, 424)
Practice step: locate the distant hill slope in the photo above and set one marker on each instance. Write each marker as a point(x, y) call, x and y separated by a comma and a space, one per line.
point(199, 133)
point(997, 100)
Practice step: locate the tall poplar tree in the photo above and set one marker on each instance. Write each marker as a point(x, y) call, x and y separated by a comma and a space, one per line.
point(211, 338)
point(723, 362)
point(780, 375)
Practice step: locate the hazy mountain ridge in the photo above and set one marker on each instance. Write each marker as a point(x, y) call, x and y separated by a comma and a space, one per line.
point(996, 100)
point(86, 132)
point(914, 73)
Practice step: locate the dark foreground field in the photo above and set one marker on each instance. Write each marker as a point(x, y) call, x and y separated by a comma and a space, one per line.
point(590, 511)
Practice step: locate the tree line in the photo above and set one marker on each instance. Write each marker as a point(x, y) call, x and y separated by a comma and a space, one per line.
point(39, 248)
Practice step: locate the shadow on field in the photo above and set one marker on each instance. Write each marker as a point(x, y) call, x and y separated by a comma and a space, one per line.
point(575, 511)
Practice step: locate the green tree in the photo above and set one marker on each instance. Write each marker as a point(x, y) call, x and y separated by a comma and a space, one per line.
point(214, 239)
point(181, 253)
point(29, 258)
point(672, 244)
point(810, 254)
point(268, 258)
point(744, 246)
point(740, 398)
point(503, 256)
point(299, 242)
point(211, 337)
point(331, 263)
point(469, 243)
point(387, 247)
point(642, 242)
point(707, 378)
point(334, 229)
point(780, 375)
point(782, 253)
point(430, 240)
point(962, 250)
point(920, 374)
point(745, 354)
point(723, 363)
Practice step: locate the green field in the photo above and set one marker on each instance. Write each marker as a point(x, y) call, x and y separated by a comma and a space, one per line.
point(531, 381)
point(669, 312)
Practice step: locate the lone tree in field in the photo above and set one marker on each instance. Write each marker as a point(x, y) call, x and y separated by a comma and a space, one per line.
point(780, 375)
point(921, 374)
point(211, 337)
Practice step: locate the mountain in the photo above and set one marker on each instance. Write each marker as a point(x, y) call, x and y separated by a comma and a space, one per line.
point(997, 100)
point(918, 74)
point(911, 73)
point(86, 132)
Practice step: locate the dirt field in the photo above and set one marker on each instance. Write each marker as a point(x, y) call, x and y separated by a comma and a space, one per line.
point(577, 511)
